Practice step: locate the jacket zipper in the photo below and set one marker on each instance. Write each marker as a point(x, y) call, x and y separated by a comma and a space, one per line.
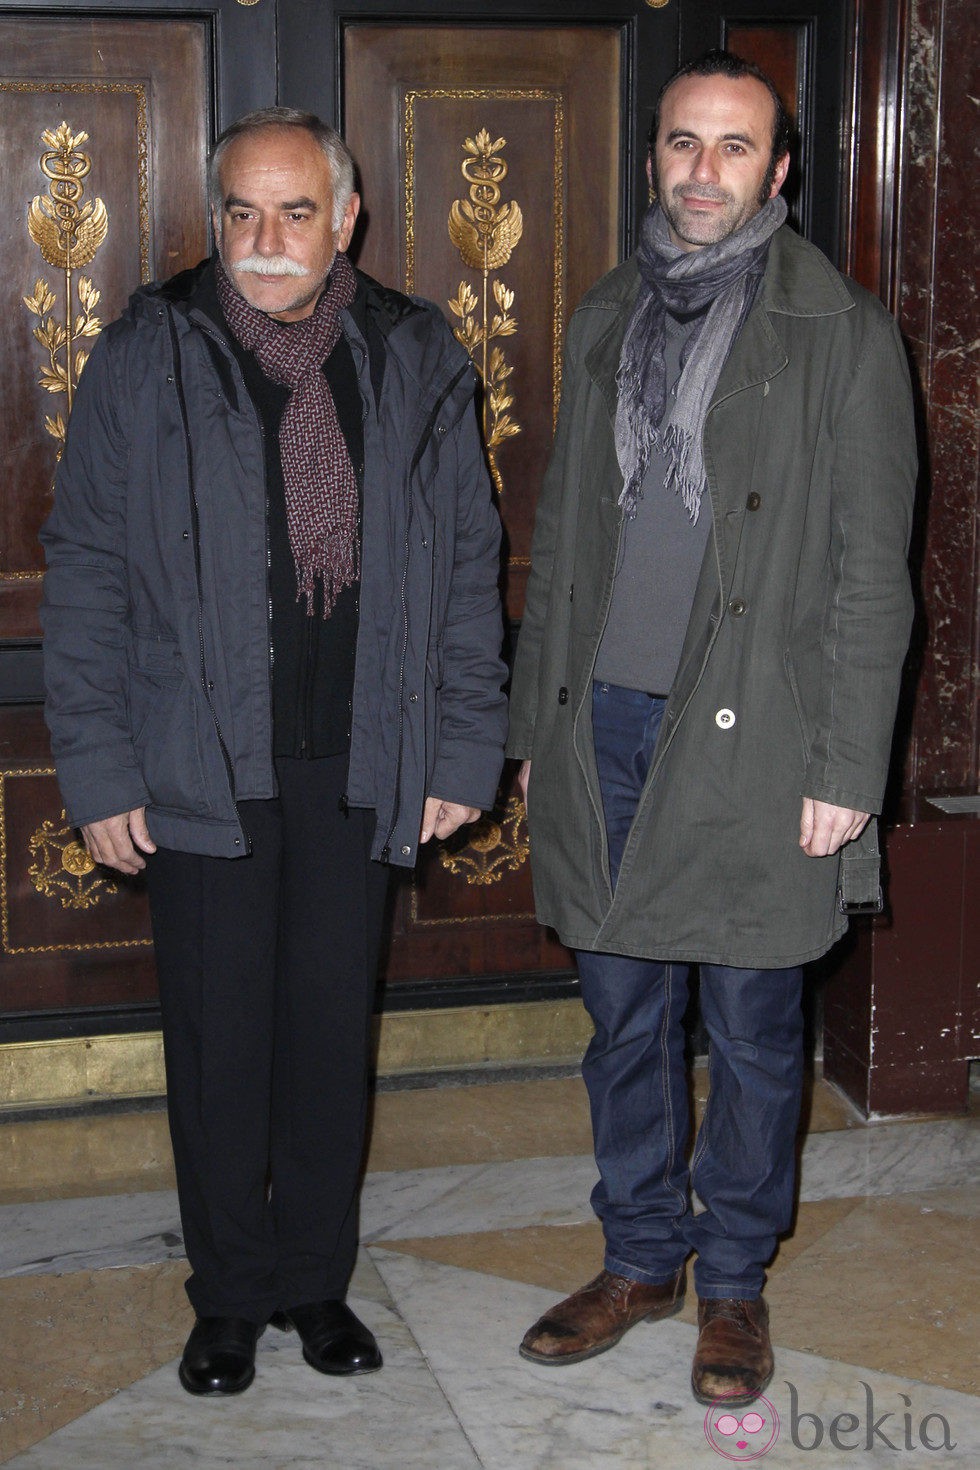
point(196, 533)
point(268, 548)
point(416, 458)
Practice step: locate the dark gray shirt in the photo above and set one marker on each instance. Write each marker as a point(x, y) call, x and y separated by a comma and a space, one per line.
point(660, 561)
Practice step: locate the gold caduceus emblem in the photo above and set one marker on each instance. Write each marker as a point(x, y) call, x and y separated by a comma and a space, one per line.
point(486, 232)
point(67, 233)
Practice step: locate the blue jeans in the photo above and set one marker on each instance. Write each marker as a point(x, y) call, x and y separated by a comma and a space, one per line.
point(743, 1164)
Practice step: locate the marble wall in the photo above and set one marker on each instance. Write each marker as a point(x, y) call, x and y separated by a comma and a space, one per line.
point(912, 238)
point(937, 276)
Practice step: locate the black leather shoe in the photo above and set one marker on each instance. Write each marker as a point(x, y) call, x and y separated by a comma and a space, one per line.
point(334, 1340)
point(219, 1356)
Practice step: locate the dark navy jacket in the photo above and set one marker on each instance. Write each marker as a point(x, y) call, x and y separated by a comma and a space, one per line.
point(155, 615)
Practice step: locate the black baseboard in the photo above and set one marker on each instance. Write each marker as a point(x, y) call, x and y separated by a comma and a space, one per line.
point(413, 995)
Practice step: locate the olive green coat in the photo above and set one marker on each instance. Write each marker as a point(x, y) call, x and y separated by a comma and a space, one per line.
point(789, 674)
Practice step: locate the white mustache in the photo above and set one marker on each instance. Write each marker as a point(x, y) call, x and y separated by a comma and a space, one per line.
point(269, 265)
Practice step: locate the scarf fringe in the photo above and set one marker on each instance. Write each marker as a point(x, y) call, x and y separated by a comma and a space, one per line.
point(685, 469)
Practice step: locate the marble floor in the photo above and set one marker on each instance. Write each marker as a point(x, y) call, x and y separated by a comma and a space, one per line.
point(475, 1218)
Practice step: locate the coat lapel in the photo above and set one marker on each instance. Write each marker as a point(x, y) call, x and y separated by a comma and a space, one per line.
point(602, 360)
point(756, 356)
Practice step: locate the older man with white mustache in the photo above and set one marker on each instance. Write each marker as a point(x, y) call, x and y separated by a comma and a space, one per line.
point(272, 636)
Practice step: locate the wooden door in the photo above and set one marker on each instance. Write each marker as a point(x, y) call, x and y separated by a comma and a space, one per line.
point(106, 115)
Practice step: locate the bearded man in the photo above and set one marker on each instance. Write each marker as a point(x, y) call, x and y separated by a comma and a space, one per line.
point(272, 636)
point(704, 694)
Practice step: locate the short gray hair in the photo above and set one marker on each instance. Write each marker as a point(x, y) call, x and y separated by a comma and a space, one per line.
point(336, 151)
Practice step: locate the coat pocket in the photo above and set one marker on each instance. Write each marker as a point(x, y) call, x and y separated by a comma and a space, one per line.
point(163, 716)
point(806, 731)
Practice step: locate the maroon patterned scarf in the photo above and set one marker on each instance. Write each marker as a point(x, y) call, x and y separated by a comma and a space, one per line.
point(321, 488)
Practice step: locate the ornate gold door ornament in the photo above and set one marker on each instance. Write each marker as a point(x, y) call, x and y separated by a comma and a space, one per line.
point(63, 869)
point(493, 847)
point(68, 234)
point(486, 232)
point(549, 98)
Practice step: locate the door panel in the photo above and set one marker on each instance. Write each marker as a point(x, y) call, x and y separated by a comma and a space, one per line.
point(802, 46)
point(525, 124)
point(491, 159)
point(118, 153)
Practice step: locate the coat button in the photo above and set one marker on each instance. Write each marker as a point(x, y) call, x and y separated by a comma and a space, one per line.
point(413, 699)
point(725, 719)
point(736, 607)
point(754, 501)
point(563, 695)
point(405, 850)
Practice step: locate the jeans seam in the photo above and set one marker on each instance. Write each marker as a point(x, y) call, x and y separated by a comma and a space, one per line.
point(671, 1131)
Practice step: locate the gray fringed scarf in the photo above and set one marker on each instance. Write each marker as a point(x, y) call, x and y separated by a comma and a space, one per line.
point(727, 276)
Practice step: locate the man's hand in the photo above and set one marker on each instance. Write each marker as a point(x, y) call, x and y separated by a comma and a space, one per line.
point(118, 841)
point(441, 818)
point(523, 775)
point(825, 828)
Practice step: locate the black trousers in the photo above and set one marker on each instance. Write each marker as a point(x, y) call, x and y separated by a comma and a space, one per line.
point(267, 968)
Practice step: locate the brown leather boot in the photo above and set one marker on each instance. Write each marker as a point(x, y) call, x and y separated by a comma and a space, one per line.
point(733, 1358)
point(595, 1318)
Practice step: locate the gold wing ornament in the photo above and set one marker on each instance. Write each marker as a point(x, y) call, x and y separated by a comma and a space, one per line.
point(485, 246)
point(70, 244)
point(45, 232)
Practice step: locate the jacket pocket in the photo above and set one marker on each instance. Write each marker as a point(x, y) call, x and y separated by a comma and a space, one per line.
point(156, 653)
point(806, 733)
point(163, 719)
